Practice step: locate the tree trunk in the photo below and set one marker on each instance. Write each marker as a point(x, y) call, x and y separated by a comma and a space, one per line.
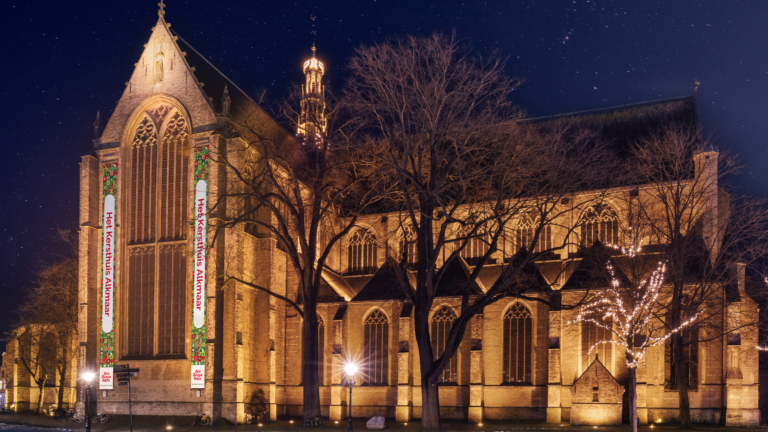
point(682, 381)
point(430, 398)
point(41, 387)
point(310, 376)
point(62, 380)
point(632, 397)
point(430, 404)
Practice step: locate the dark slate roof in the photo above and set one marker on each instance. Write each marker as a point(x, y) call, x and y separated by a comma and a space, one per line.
point(592, 271)
point(326, 294)
point(384, 285)
point(455, 280)
point(243, 109)
point(530, 278)
point(626, 124)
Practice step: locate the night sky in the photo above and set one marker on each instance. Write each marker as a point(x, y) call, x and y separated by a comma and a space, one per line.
point(63, 61)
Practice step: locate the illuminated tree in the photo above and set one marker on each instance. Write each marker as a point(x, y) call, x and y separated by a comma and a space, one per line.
point(630, 305)
point(701, 231)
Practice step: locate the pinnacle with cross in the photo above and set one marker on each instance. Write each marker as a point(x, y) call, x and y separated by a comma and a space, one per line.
point(161, 12)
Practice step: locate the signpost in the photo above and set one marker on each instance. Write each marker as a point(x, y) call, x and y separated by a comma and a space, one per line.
point(123, 373)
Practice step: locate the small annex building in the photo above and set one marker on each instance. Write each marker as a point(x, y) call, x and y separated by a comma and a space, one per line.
point(596, 397)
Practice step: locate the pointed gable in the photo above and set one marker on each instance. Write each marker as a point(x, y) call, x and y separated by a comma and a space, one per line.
point(169, 66)
point(160, 70)
point(455, 281)
point(530, 278)
point(592, 272)
point(596, 379)
point(384, 285)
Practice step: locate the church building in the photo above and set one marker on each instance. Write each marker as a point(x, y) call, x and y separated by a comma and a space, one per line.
point(152, 296)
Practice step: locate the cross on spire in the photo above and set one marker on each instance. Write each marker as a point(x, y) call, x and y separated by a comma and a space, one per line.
point(161, 12)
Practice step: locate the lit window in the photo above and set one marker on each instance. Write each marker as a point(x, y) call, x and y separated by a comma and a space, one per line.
point(518, 343)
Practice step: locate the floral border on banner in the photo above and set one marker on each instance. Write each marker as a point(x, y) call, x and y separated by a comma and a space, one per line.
point(107, 294)
point(202, 155)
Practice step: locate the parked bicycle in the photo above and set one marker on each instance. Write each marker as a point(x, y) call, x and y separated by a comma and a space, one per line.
point(315, 422)
point(262, 417)
point(203, 419)
point(60, 413)
point(100, 418)
point(76, 417)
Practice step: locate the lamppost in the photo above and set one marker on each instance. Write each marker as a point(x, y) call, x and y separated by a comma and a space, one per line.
point(351, 369)
point(88, 377)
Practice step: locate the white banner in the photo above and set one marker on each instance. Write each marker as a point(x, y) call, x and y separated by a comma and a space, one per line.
point(107, 285)
point(201, 191)
point(198, 376)
point(105, 378)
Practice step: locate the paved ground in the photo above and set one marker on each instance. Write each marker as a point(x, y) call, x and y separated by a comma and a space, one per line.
point(36, 423)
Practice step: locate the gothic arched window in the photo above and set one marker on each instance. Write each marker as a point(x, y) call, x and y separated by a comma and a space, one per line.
point(157, 227)
point(591, 334)
point(477, 246)
point(518, 344)
point(441, 326)
point(362, 252)
point(376, 347)
point(408, 243)
point(526, 231)
point(600, 223)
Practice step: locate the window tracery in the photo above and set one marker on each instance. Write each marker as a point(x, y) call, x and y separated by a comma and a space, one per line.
point(526, 231)
point(376, 347)
point(157, 263)
point(361, 253)
point(600, 223)
point(441, 326)
point(408, 244)
point(518, 343)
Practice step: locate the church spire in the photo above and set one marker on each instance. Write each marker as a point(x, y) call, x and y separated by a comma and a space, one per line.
point(161, 11)
point(312, 118)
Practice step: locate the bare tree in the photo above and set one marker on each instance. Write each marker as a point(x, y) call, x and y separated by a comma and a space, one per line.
point(305, 194)
point(440, 121)
point(48, 319)
point(703, 233)
point(631, 301)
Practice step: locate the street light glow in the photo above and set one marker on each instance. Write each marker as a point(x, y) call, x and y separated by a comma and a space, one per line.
point(350, 368)
point(88, 376)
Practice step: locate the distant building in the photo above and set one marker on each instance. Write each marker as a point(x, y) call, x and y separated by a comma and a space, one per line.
point(37, 350)
point(230, 351)
point(2, 383)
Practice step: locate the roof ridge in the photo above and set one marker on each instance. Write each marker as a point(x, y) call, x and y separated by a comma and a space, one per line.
point(214, 67)
point(636, 104)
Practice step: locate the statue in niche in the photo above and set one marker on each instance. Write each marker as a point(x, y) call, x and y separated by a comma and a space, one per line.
point(159, 55)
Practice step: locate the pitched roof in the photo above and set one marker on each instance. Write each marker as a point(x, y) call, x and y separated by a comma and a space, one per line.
point(243, 110)
point(384, 285)
point(596, 363)
point(530, 277)
point(592, 271)
point(455, 281)
point(628, 123)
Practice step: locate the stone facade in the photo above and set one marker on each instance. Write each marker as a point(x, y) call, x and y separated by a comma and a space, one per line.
point(20, 390)
point(254, 340)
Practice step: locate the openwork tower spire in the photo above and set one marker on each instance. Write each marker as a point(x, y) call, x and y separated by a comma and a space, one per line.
point(312, 118)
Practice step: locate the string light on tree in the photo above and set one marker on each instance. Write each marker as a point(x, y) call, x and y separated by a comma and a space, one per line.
point(628, 313)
